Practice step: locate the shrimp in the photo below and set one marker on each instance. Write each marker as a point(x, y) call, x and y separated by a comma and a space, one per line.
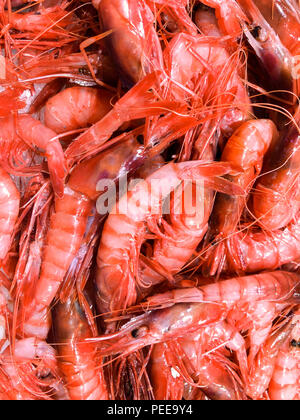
point(262, 250)
point(208, 370)
point(9, 210)
point(24, 367)
point(82, 106)
point(245, 149)
point(278, 286)
point(276, 198)
point(159, 326)
point(284, 384)
point(166, 382)
point(36, 135)
point(67, 227)
point(137, 103)
point(275, 58)
point(133, 40)
point(77, 360)
point(229, 15)
point(261, 371)
point(257, 318)
point(125, 229)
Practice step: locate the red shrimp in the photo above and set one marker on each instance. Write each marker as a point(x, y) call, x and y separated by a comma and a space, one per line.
point(24, 367)
point(125, 229)
point(137, 103)
point(166, 382)
point(284, 384)
point(273, 55)
point(229, 15)
point(67, 227)
point(37, 135)
point(278, 286)
point(208, 368)
point(9, 210)
point(159, 326)
point(262, 250)
point(133, 41)
point(77, 360)
point(260, 373)
point(257, 319)
point(276, 198)
point(82, 106)
point(245, 150)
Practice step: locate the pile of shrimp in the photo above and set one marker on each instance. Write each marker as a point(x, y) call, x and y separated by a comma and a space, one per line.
point(181, 101)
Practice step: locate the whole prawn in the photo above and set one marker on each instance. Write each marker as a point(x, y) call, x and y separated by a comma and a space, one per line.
point(245, 150)
point(77, 360)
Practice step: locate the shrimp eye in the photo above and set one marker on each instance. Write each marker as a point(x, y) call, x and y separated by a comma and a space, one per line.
point(259, 34)
point(295, 343)
point(140, 332)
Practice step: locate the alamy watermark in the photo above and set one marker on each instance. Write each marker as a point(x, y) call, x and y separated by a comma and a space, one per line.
point(155, 197)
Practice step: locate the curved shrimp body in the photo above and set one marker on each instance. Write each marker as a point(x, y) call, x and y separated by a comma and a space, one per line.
point(284, 384)
point(82, 106)
point(9, 210)
point(77, 360)
point(37, 135)
point(262, 250)
point(276, 199)
point(134, 42)
point(67, 227)
point(125, 230)
point(209, 371)
point(245, 150)
point(263, 367)
point(229, 15)
point(23, 378)
point(166, 382)
point(189, 56)
point(278, 286)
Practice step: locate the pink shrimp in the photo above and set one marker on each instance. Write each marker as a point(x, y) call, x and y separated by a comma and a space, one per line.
point(9, 210)
point(24, 367)
point(276, 198)
point(284, 384)
point(229, 15)
point(262, 250)
point(67, 226)
point(167, 383)
point(82, 106)
point(245, 149)
point(261, 371)
point(36, 135)
point(77, 360)
point(273, 55)
point(279, 286)
point(197, 357)
point(159, 326)
point(133, 41)
point(137, 103)
point(125, 229)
